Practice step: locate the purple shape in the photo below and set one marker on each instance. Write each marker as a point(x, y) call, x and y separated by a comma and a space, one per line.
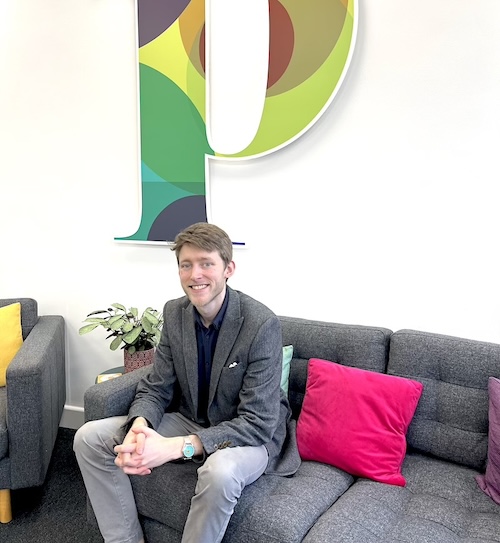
point(155, 16)
point(489, 483)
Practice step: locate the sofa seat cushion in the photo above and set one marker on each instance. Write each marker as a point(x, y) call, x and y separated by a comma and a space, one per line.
point(271, 510)
point(441, 503)
point(4, 437)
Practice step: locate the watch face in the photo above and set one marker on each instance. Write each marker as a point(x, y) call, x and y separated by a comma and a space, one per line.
point(188, 450)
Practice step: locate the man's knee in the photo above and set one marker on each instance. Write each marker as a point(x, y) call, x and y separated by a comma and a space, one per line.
point(95, 434)
point(222, 473)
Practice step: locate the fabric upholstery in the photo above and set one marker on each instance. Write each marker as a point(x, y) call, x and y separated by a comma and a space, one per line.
point(490, 481)
point(357, 420)
point(441, 503)
point(11, 337)
point(4, 436)
point(34, 399)
point(364, 347)
point(273, 509)
point(451, 420)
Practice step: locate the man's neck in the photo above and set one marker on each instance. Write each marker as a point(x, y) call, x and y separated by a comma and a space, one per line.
point(208, 315)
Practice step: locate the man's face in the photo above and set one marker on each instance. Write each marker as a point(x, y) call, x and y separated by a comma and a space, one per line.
point(203, 278)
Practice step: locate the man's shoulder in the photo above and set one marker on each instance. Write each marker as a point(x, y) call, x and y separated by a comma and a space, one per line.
point(252, 307)
point(177, 304)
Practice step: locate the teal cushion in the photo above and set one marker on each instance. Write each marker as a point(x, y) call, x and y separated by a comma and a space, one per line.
point(285, 372)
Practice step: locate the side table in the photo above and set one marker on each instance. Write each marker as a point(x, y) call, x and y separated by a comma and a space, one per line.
point(112, 373)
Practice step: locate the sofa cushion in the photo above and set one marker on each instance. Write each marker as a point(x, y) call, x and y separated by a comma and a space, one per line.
point(365, 347)
point(285, 371)
point(29, 312)
point(451, 420)
point(357, 420)
point(272, 509)
point(441, 503)
point(11, 337)
point(490, 481)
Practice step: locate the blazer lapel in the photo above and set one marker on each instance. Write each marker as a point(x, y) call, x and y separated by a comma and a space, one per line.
point(190, 349)
point(228, 333)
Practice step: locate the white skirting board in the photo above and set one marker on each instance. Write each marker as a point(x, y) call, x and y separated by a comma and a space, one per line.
point(72, 417)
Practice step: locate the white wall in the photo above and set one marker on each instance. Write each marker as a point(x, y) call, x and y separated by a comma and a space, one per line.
point(396, 226)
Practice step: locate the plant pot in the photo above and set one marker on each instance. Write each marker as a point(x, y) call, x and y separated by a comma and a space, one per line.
point(138, 359)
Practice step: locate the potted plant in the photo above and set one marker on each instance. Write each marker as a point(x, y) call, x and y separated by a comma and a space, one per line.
point(137, 335)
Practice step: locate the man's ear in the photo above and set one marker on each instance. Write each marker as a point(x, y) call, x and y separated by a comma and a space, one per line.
point(229, 270)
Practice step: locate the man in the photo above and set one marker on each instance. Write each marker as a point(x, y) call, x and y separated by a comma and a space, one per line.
point(219, 362)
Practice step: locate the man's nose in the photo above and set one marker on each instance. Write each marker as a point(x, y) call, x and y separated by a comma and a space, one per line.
point(196, 271)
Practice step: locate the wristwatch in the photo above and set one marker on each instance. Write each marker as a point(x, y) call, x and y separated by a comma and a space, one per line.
point(188, 449)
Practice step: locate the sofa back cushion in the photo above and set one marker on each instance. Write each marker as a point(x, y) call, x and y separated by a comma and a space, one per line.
point(364, 347)
point(29, 312)
point(451, 420)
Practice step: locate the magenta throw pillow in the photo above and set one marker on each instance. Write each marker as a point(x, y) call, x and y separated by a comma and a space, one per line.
point(490, 481)
point(357, 420)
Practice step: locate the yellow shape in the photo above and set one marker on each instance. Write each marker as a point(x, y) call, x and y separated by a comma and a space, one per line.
point(11, 337)
point(166, 54)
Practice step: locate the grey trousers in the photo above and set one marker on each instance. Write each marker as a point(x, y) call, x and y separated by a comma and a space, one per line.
point(221, 479)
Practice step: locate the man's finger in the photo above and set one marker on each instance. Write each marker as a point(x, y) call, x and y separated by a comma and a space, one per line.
point(125, 448)
point(136, 471)
point(141, 439)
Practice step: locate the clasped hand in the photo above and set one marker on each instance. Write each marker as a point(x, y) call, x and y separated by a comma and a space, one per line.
point(144, 449)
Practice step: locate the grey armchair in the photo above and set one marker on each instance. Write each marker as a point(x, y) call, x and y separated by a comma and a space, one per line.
point(31, 404)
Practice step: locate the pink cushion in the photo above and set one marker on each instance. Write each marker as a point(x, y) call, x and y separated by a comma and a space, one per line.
point(357, 420)
point(490, 481)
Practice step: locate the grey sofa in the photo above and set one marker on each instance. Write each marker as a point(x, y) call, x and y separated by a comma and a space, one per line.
point(447, 446)
point(32, 402)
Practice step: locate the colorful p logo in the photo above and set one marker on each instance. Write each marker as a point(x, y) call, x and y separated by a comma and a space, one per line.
point(280, 63)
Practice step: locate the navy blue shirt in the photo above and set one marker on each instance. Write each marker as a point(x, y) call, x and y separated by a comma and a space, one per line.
point(206, 339)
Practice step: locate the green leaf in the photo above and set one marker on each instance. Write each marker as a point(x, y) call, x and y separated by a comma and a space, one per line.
point(98, 320)
point(148, 328)
point(116, 343)
point(132, 336)
point(131, 349)
point(127, 327)
point(134, 311)
point(120, 306)
point(88, 328)
point(116, 323)
point(114, 318)
point(97, 312)
point(150, 317)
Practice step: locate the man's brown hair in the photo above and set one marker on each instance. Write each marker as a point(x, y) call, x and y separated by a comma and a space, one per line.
point(207, 237)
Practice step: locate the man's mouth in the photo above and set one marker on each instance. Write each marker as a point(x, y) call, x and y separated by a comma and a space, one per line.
point(198, 287)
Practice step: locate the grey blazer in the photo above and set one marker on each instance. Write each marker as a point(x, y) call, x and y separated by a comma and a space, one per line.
point(246, 405)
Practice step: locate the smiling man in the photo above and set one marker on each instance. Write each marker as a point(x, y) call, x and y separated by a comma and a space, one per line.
point(219, 362)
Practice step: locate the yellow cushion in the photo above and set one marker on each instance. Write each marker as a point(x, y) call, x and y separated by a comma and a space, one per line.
point(11, 337)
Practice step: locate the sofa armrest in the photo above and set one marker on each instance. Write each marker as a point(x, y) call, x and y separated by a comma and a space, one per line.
point(113, 397)
point(36, 393)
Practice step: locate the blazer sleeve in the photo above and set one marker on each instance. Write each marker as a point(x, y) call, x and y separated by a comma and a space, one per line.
point(156, 390)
